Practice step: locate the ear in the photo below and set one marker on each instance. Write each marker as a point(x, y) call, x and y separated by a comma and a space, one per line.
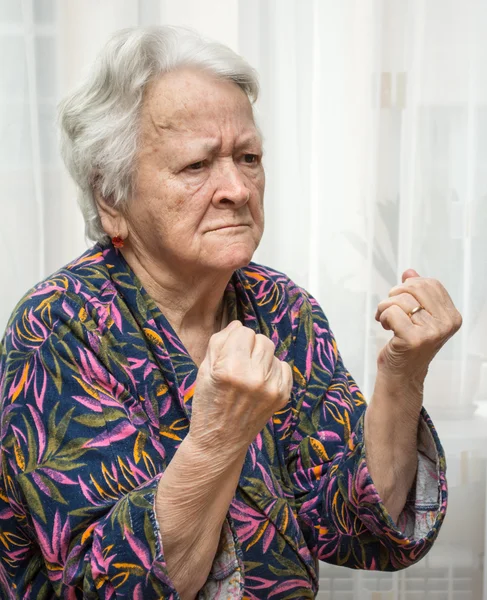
point(112, 218)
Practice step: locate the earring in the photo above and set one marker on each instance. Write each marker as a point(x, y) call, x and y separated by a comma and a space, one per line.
point(117, 241)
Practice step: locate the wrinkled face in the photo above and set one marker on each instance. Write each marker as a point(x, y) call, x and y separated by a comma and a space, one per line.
point(199, 184)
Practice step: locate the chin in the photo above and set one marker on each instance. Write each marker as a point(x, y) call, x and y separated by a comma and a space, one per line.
point(233, 257)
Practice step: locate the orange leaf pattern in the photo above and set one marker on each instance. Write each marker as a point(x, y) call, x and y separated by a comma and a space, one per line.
point(96, 394)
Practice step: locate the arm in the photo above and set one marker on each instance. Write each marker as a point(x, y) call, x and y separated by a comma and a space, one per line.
point(341, 512)
point(391, 440)
point(98, 532)
point(197, 488)
point(77, 497)
point(240, 384)
point(81, 465)
point(391, 422)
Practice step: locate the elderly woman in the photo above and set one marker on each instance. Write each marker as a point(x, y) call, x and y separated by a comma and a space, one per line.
point(177, 421)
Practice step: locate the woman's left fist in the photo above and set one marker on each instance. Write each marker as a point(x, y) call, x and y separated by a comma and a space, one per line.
point(418, 332)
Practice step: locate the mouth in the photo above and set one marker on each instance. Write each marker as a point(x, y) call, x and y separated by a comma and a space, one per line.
point(229, 227)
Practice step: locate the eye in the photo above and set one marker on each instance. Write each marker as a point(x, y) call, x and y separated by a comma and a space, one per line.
point(251, 158)
point(197, 166)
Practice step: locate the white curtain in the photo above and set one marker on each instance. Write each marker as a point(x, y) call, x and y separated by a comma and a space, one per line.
point(375, 119)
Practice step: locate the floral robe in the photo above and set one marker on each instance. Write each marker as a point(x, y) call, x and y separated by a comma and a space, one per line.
point(96, 391)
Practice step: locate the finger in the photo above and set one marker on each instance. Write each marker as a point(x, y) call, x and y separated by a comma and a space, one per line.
point(285, 380)
point(227, 336)
point(440, 319)
point(430, 294)
point(262, 355)
point(424, 291)
point(396, 320)
point(405, 301)
point(232, 325)
point(409, 273)
point(217, 340)
point(239, 345)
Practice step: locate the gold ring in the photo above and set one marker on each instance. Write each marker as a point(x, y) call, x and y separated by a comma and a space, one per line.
point(415, 310)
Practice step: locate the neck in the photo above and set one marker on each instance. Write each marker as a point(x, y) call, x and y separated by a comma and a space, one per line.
point(190, 301)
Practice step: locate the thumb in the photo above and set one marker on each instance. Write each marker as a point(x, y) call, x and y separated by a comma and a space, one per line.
point(409, 273)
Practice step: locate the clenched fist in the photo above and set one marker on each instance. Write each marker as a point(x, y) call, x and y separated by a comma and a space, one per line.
point(423, 317)
point(240, 385)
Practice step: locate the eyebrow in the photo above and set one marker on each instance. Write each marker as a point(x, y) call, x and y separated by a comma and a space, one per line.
point(246, 140)
point(207, 144)
point(250, 139)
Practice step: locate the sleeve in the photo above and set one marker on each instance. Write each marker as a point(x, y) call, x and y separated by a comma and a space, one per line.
point(339, 509)
point(78, 476)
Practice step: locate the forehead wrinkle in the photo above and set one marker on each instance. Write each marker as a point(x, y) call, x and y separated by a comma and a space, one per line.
point(190, 139)
point(184, 130)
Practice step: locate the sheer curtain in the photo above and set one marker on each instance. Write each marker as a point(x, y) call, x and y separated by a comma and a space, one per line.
point(375, 121)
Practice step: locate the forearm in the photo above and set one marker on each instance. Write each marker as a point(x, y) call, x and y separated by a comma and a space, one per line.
point(192, 502)
point(390, 431)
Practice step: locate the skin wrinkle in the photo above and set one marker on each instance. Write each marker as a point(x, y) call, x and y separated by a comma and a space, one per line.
point(172, 225)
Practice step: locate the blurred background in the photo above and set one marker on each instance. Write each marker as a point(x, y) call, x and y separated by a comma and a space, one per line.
point(374, 114)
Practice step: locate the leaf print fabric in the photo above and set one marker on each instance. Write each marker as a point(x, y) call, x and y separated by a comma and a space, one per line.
point(96, 392)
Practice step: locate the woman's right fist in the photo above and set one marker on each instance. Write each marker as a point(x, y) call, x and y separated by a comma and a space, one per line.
point(240, 385)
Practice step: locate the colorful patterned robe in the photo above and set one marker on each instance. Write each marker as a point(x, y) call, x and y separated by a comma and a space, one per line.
point(96, 391)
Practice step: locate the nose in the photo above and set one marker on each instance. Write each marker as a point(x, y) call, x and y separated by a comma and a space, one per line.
point(230, 186)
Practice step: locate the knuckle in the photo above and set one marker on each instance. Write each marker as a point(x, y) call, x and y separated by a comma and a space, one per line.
point(417, 283)
point(283, 401)
point(388, 313)
point(253, 384)
point(246, 331)
point(221, 376)
point(406, 296)
point(273, 389)
point(411, 301)
point(435, 284)
point(214, 339)
point(446, 330)
point(287, 369)
point(432, 336)
point(267, 343)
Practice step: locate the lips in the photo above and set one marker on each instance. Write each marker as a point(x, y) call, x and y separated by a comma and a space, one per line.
point(230, 226)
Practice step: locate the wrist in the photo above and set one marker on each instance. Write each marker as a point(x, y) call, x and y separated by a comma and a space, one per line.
point(410, 380)
point(399, 387)
point(401, 380)
point(215, 454)
point(397, 400)
point(192, 482)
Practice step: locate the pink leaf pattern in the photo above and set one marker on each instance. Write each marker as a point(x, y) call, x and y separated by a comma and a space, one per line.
point(96, 392)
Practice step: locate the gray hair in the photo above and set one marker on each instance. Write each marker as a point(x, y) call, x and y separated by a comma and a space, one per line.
point(99, 121)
